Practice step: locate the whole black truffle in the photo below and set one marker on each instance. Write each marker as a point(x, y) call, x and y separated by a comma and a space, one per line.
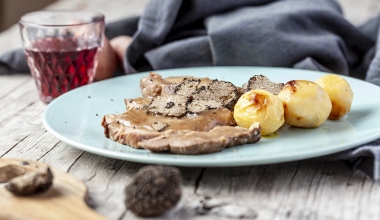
point(154, 190)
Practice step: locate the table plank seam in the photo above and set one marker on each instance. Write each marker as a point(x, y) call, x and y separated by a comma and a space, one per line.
point(6, 152)
point(90, 178)
point(277, 211)
point(122, 215)
point(198, 180)
point(311, 184)
point(114, 174)
point(230, 184)
point(294, 174)
point(68, 169)
point(16, 87)
point(360, 190)
point(48, 151)
point(19, 111)
point(318, 188)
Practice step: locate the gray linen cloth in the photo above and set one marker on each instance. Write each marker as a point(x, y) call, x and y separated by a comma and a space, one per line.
point(284, 33)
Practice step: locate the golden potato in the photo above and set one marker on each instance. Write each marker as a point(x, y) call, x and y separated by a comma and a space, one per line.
point(259, 106)
point(340, 93)
point(306, 104)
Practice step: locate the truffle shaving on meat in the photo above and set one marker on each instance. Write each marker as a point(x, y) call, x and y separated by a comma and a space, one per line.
point(197, 106)
point(262, 82)
point(170, 105)
point(140, 103)
point(187, 87)
point(221, 91)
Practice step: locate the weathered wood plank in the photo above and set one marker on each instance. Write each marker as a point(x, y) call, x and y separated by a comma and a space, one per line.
point(18, 99)
point(297, 190)
point(9, 83)
point(14, 132)
point(106, 179)
point(62, 156)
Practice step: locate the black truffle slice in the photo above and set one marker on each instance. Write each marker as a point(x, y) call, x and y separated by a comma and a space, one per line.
point(262, 82)
point(171, 105)
point(187, 87)
point(197, 106)
point(220, 91)
point(154, 190)
point(140, 103)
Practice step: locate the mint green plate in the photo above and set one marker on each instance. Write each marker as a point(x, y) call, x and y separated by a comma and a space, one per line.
point(75, 119)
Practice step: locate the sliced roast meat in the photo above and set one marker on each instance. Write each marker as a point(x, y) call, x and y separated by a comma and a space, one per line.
point(198, 142)
point(153, 85)
point(182, 117)
point(159, 126)
point(135, 125)
point(129, 135)
point(179, 79)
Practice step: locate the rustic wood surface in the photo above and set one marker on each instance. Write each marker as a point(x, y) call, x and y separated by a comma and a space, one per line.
point(298, 190)
point(64, 198)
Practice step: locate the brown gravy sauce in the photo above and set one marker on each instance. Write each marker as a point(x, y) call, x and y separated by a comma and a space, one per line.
point(203, 121)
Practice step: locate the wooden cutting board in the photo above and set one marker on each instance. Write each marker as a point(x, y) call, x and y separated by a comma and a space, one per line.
point(65, 199)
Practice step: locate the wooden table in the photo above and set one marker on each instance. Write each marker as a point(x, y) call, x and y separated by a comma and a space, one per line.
point(296, 190)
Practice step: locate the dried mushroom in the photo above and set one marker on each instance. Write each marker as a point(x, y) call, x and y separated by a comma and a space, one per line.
point(31, 182)
point(11, 171)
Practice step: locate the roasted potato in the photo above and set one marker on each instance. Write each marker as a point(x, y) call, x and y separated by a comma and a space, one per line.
point(306, 104)
point(340, 93)
point(259, 106)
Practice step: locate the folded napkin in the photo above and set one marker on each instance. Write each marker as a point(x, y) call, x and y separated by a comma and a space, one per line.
point(284, 33)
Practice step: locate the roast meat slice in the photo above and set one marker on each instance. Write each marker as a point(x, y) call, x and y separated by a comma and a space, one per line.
point(198, 142)
point(136, 125)
point(153, 85)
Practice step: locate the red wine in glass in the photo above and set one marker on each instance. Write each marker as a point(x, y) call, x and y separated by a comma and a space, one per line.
point(59, 65)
